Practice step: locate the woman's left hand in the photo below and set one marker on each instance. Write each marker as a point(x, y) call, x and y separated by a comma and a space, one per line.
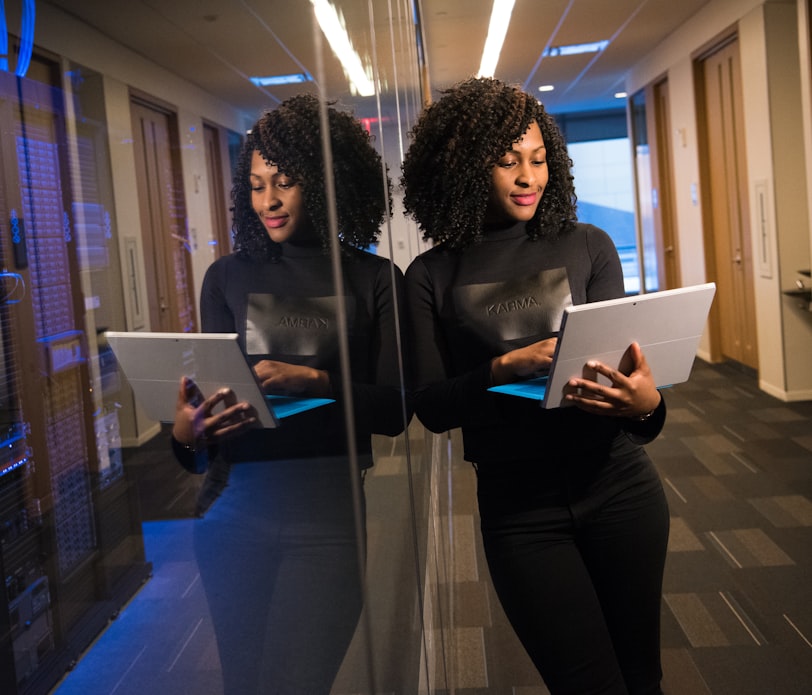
point(284, 379)
point(629, 396)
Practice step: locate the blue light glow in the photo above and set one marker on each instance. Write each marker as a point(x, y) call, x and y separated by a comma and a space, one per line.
point(575, 49)
point(26, 38)
point(273, 80)
point(3, 38)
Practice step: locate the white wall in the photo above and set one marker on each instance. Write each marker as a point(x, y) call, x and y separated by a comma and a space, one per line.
point(772, 110)
point(753, 53)
point(196, 192)
point(790, 214)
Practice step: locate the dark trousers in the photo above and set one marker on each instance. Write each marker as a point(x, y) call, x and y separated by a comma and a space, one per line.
point(579, 568)
point(279, 563)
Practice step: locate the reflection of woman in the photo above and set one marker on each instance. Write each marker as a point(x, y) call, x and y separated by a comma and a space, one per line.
point(278, 551)
point(574, 519)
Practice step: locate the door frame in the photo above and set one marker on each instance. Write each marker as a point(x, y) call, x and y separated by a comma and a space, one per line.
point(159, 211)
point(712, 260)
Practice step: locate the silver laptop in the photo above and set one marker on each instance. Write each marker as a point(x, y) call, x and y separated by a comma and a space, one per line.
point(155, 362)
point(668, 325)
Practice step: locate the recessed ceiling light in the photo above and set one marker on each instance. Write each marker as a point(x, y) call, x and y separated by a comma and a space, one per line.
point(575, 49)
point(620, 95)
point(546, 88)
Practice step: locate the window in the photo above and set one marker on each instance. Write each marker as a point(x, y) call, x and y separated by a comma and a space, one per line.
point(604, 185)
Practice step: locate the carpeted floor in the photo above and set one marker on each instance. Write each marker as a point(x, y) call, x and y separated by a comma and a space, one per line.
point(737, 609)
point(737, 465)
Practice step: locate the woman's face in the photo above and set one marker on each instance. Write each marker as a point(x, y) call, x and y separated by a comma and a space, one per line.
point(518, 180)
point(278, 201)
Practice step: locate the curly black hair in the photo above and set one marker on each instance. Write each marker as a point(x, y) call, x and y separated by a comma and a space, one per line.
point(289, 137)
point(457, 140)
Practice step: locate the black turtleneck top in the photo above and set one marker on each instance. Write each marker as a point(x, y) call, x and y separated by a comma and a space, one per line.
point(507, 291)
point(285, 309)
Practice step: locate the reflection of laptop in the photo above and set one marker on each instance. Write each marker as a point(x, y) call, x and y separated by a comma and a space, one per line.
point(155, 362)
point(668, 326)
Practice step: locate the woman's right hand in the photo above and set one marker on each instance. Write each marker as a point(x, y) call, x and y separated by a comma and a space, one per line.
point(532, 360)
point(197, 425)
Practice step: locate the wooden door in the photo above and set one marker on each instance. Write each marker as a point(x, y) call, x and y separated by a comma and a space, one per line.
point(167, 262)
point(221, 233)
point(727, 232)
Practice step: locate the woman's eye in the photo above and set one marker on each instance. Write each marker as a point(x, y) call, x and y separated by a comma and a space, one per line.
point(257, 189)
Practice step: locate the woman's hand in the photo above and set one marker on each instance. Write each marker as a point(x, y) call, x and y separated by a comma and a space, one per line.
point(283, 379)
point(196, 424)
point(533, 360)
point(629, 396)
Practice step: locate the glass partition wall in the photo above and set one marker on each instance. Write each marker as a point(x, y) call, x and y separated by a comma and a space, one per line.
point(112, 210)
point(391, 648)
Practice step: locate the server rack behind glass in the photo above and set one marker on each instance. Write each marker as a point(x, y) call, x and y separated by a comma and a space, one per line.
point(71, 551)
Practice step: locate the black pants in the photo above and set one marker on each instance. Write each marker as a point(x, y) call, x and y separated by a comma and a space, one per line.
point(279, 563)
point(578, 569)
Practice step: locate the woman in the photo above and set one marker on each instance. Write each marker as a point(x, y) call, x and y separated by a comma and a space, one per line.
point(573, 515)
point(278, 551)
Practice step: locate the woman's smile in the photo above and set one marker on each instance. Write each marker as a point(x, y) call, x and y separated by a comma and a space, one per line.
point(525, 198)
point(275, 222)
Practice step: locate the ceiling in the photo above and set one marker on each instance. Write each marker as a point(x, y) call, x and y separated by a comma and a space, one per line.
point(218, 44)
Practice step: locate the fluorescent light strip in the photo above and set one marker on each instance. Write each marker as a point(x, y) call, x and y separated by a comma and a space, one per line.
point(500, 19)
point(333, 29)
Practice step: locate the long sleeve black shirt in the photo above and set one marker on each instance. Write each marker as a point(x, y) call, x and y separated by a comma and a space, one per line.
point(467, 307)
point(285, 310)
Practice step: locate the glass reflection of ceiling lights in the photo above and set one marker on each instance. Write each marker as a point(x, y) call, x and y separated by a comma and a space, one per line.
point(575, 49)
point(332, 25)
point(276, 80)
point(497, 29)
